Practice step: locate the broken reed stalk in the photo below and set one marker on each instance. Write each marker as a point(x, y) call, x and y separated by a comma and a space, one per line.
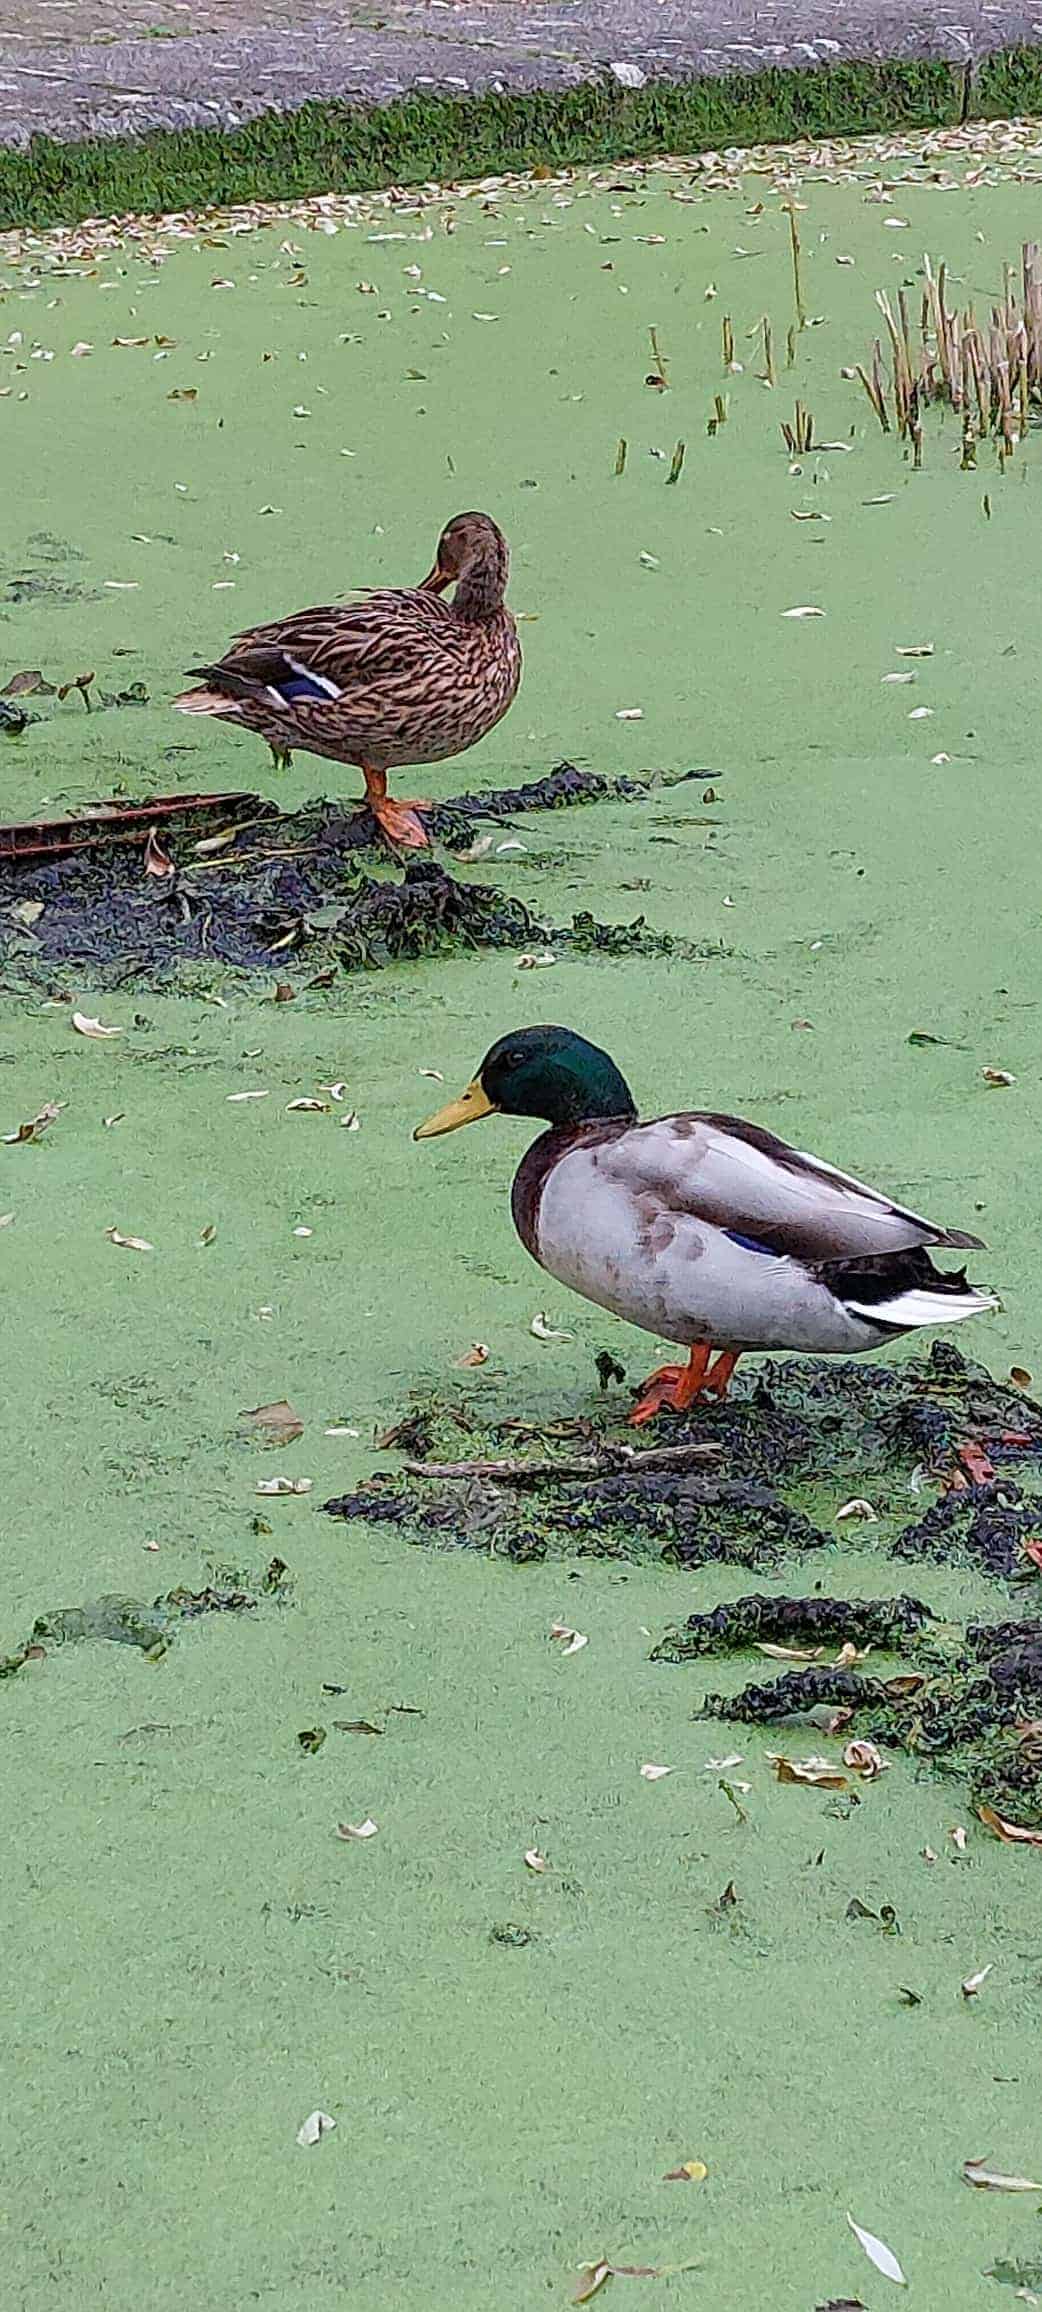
point(727, 333)
point(768, 351)
point(989, 373)
point(797, 282)
point(799, 436)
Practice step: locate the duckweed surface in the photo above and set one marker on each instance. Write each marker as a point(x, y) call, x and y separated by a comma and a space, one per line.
point(516, 2057)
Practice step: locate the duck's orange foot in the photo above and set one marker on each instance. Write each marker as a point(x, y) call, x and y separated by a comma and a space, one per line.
point(675, 1387)
point(401, 822)
point(661, 1389)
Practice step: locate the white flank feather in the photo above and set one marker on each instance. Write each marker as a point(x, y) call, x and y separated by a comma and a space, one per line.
point(208, 702)
point(307, 674)
point(924, 1308)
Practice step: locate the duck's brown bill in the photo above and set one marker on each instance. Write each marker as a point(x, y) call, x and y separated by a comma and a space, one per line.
point(435, 581)
point(468, 1109)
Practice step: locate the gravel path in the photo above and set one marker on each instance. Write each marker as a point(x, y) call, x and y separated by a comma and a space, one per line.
point(72, 69)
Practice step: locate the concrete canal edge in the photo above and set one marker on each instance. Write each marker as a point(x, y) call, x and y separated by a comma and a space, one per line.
point(393, 119)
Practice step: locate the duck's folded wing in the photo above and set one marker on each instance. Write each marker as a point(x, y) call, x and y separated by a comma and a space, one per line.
point(383, 635)
point(743, 1180)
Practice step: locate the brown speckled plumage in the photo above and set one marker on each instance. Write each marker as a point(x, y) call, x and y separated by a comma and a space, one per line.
point(417, 678)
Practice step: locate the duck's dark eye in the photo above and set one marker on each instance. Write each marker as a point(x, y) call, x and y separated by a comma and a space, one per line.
point(513, 1059)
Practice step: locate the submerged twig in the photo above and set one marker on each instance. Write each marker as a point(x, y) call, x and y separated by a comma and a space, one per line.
point(607, 1462)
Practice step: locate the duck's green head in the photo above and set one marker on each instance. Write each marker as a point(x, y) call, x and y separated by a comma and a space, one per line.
point(548, 1072)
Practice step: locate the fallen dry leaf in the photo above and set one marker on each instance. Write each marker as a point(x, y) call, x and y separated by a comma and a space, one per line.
point(157, 861)
point(208, 1234)
point(541, 962)
point(26, 684)
point(690, 2171)
point(129, 1243)
point(573, 1640)
point(1013, 1833)
point(813, 1771)
point(857, 1508)
point(865, 1759)
point(366, 1829)
point(913, 649)
point(85, 1026)
point(654, 1773)
point(307, 1107)
point(597, 2273)
point(535, 1860)
point(233, 1096)
point(477, 1354)
point(971, 1983)
point(986, 2179)
point(545, 1331)
point(958, 1838)
point(878, 2253)
point(789, 1653)
point(997, 1076)
point(316, 2125)
point(285, 1485)
point(804, 610)
point(280, 1421)
point(36, 1124)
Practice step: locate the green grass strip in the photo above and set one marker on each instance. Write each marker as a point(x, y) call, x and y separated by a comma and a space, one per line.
point(346, 148)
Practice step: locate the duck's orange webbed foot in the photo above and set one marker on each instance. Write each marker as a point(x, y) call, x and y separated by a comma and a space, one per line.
point(718, 1379)
point(401, 822)
point(673, 1386)
point(677, 1386)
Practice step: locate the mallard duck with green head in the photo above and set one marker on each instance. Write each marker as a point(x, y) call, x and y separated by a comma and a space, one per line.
point(701, 1228)
point(398, 676)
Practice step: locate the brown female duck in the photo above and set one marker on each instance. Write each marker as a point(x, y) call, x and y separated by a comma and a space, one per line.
point(399, 676)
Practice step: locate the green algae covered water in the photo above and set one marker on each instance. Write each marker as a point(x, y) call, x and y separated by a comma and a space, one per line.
point(194, 1961)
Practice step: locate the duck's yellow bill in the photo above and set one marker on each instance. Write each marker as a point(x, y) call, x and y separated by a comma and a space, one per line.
point(468, 1109)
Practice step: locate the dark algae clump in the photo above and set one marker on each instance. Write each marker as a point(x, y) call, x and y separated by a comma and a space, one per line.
point(795, 1621)
point(972, 1703)
point(730, 1485)
point(278, 885)
point(994, 1526)
point(152, 1628)
point(735, 1482)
